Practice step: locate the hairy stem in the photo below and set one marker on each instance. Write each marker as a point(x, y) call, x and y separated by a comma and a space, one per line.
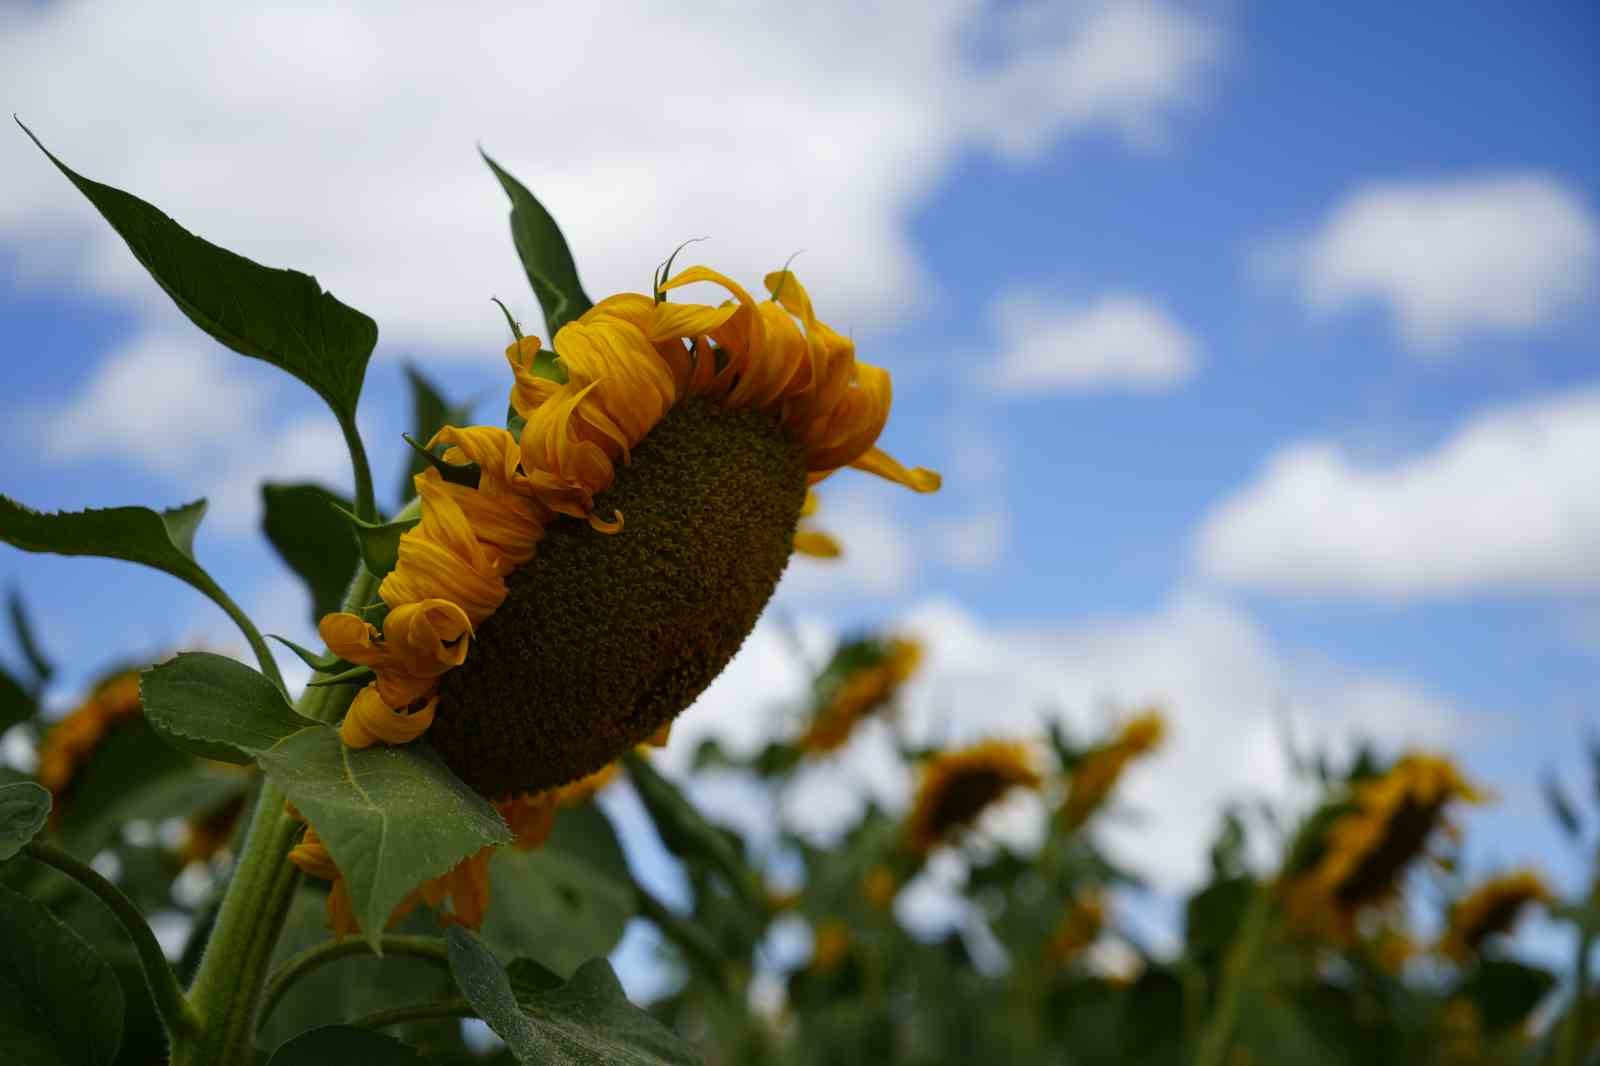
point(366, 502)
point(178, 1015)
point(315, 957)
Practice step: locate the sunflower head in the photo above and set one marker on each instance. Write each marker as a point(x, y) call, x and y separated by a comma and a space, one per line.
point(863, 676)
point(74, 738)
point(619, 545)
point(1490, 909)
point(1101, 767)
point(1368, 841)
point(956, 787)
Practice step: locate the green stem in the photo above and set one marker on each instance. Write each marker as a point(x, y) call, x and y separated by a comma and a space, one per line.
point(1573, 1037)
point(422, 947)
point(1235, 975)
point(258, 643)
point(691, 940)
point(178, 1015)
point(233, 971)
point(415, 1012)
point(366, 503)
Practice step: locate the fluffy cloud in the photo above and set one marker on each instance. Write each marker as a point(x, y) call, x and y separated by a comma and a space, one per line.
point(1116, 341)
point(339, 139)
point(1506, 503)
point(1228, 688)
point(1500, 252)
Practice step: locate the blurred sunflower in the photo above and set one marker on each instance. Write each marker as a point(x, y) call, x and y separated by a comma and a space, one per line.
point(863, 676)
point(75, 737)
point(1098, 771)
point(1361, 849)
point(704, 426)
point(466, 886)
point(1078, 928)
point(1490, 909)
point(207, 833)
point(956, 787)
point(829, 945)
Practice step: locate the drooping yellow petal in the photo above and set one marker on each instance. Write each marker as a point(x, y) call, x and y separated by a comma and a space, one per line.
point(917, 479)
point(817, 544)
point(371, 720)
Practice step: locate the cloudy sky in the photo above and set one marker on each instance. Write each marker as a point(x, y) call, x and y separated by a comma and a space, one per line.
point(1255, 341)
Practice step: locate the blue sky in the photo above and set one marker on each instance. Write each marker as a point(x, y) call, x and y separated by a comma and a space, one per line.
point(1255, 341)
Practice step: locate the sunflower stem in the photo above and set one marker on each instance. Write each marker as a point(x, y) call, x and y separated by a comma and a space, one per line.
point(1573, 1036)
point(1241, 959)
point(178, 1015)
point(258, 643)
point(366, 502)
point(227, 990)
point(318, 955)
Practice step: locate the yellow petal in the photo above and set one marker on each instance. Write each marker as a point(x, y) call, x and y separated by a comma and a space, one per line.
point(816, 544)
point(917, 479)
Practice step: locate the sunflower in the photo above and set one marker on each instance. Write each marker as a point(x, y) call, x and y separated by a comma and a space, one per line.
point(208, 832)
point(1078, 928)
point(73, 739)
point(701, 427)
point(1359, 859)
point(1097, 773)
point(863, 676)
point(1490, 909)
point(829, 945)
point(465, 886)
point(956, 787)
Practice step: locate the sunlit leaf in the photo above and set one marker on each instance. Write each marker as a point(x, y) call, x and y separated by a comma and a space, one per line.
point(217, 708)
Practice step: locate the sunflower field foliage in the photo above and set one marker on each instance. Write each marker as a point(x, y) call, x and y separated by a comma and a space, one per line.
point(411, 859)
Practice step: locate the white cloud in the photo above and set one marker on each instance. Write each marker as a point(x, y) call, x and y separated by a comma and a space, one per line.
point(165, 399)
point(340, 140)
point(881, 557)
point(974, 542)
point(1227, 687)
point(1451, 258)
point(1506, 503)
point(1116, 341)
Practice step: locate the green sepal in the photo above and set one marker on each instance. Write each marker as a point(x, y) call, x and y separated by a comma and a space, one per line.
point(430, 412)
point(379, 542)
point(544, 253)
point(24, 808)
point(468, 474)
point(356, 675)
point(324, 663)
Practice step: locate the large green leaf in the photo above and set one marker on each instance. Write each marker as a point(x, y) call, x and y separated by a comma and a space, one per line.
point(24, 806)
point(59, 1001)
point(215, 707)
point(586, 1022)
point(280, 316)
point(313, 539)
point(430, 412)
point(391, 817)
point(160, 539)
point(544, 254)
point(347, 1046)
point(555, 907)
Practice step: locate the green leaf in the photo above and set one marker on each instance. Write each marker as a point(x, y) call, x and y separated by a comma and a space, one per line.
point(378, 542)
point(1505, 992)
point(685, 831)
point(22, 629)
point(24, 807)
point(430, 412)
point(555, 907)
point(282, 317)
point(313, 539)
point(391, 817)
point(59, 1001)
point(356, 675)
point(586, 1022)
point(160, 539)
point(544, 253)
point(16, 704)
point(346, 1045)
point(217, 708)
